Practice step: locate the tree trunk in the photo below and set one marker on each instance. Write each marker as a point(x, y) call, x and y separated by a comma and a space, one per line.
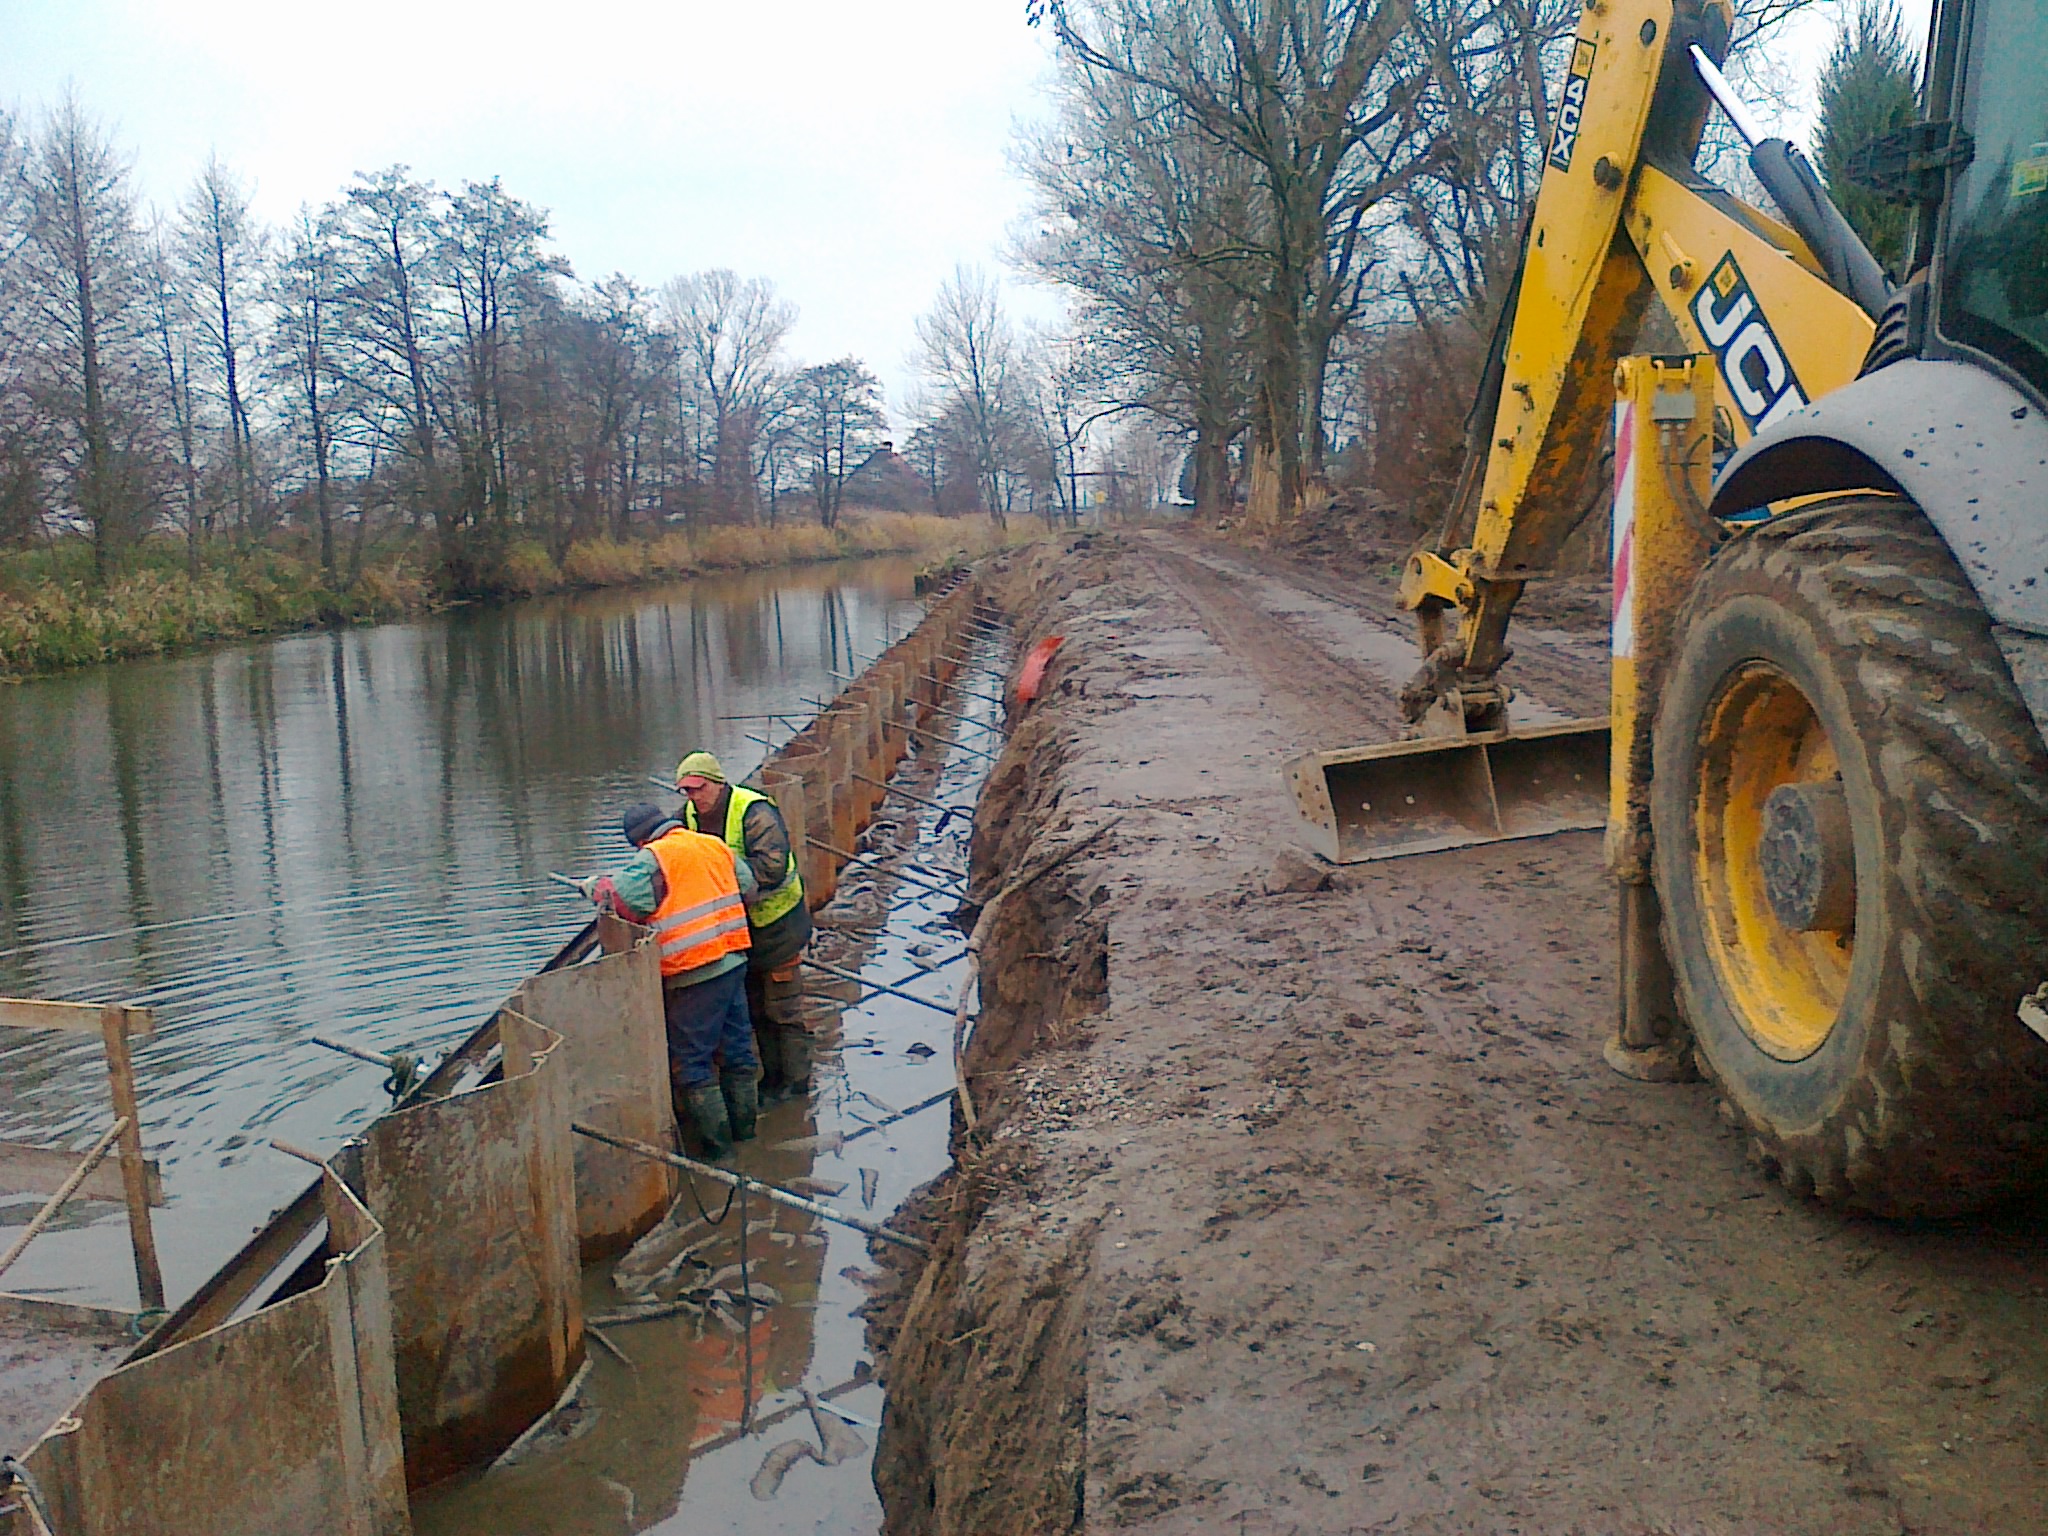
point(238, 420)
point(322, 495)
point(1212, 469)
point(95, 500)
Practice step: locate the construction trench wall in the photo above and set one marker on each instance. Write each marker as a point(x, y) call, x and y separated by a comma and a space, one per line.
point(476, 1194)
point(417, 1308)
point(990, 1438)
point(283, 1422)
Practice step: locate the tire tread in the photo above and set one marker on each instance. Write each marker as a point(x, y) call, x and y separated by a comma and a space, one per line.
point(1950, 1110)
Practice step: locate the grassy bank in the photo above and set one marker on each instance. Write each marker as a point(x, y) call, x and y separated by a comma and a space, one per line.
point(50, 619)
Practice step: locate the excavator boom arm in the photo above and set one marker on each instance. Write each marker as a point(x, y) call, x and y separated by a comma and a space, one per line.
point(1621, 219)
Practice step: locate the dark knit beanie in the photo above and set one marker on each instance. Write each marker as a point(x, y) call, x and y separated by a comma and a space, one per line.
point(640, 821)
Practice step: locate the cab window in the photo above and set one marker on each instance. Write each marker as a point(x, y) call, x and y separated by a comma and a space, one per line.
point(1995, 294)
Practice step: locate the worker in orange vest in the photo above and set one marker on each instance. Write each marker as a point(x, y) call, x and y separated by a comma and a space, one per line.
point(692, 889)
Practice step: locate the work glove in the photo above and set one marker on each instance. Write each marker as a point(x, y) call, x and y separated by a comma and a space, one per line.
point(588, 886)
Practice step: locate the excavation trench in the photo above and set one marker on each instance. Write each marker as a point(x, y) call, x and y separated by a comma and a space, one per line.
point(729, 1383)
point(985, 1346)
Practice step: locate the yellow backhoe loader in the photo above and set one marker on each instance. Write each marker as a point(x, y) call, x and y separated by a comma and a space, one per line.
point(1825, 779)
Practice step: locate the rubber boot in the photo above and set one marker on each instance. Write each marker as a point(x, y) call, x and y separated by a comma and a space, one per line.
point(742, 1094)
point(768, 1046)
point(796, 1061)
point(707, 1113)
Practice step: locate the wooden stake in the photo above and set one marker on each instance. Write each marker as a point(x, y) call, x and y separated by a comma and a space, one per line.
point(149, 1274)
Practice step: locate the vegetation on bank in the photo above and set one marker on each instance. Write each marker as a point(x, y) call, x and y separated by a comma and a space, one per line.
point(53, 617)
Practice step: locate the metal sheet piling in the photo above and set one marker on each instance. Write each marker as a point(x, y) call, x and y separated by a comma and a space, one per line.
point(609, 1013)
point(476, 1193)
point(283, 1422)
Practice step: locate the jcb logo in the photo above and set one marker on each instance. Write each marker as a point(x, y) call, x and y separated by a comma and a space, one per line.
point(1753, 365)
point(1571, 111)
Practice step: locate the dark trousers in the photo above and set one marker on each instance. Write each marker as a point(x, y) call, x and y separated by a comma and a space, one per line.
point(706, 1019)
point(776, 1008)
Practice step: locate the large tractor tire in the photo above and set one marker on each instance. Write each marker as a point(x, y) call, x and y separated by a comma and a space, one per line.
point(1850, 805)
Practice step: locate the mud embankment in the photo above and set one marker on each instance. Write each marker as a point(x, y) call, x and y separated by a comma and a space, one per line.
point(987, 1358)
point(1300, 1200)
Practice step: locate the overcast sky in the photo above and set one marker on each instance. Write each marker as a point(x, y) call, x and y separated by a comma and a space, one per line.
point(850, 153)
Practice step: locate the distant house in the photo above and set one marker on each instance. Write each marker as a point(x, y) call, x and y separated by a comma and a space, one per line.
point(886, 482)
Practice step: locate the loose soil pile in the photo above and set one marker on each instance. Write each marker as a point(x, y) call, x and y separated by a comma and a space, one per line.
point(1301, 1200)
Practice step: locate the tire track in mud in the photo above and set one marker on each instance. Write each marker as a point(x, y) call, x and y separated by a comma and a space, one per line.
point(1557, 672)
point(1326, 698)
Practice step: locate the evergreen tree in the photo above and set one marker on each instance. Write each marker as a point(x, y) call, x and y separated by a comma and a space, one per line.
point(1867, 90)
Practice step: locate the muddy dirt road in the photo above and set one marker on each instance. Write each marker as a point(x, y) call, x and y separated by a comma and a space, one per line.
point(1300, 1209)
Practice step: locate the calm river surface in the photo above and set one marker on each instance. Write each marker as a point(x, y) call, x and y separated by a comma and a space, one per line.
point(346, 834)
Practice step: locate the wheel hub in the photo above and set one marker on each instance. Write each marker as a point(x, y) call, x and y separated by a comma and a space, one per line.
point(1774, 861)
point(1808, 858)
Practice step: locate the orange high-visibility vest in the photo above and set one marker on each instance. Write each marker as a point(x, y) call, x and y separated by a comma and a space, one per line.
point(701, 918)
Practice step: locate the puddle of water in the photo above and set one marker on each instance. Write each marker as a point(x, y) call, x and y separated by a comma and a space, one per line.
point(677, 1442)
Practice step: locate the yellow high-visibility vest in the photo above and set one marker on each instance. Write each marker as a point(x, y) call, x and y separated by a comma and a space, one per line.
point(783, 899)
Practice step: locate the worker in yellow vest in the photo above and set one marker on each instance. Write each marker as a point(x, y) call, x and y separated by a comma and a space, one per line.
point(692, 891)
point(754, 830)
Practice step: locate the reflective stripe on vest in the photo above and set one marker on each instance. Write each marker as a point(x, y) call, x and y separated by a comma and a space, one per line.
point(783, 899)
point(700, 918)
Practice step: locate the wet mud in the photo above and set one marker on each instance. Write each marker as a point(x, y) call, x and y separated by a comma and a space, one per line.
point(1300, 1200)
point(44, 1369)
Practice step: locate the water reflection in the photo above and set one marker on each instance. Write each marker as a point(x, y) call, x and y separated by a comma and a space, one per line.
point(346, 833)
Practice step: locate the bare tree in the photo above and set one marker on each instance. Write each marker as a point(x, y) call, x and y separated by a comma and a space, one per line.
point(1142, 219)
point(779, 442)
point(729, 333)
point(840, 405)
point(80, 263)
point(171, 328)
point(968, 349)
point(1071, 383)
point(402, 357)
point(22, 449)
point(611, 395)
point(305, 295)
point(490, 260)
point(1332, 103)
point(223, 255)
point(387, 232)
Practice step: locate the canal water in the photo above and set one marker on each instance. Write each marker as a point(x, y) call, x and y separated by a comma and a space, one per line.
point(350, 834)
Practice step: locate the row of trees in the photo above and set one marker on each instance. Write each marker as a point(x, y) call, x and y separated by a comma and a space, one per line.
point(1004, 411)
point(403, 355)
point(1285, 224)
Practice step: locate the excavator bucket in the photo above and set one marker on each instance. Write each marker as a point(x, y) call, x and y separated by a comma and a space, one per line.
point(1364, 803)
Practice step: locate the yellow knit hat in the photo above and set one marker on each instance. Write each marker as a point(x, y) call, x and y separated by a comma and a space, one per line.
point(700, 765)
